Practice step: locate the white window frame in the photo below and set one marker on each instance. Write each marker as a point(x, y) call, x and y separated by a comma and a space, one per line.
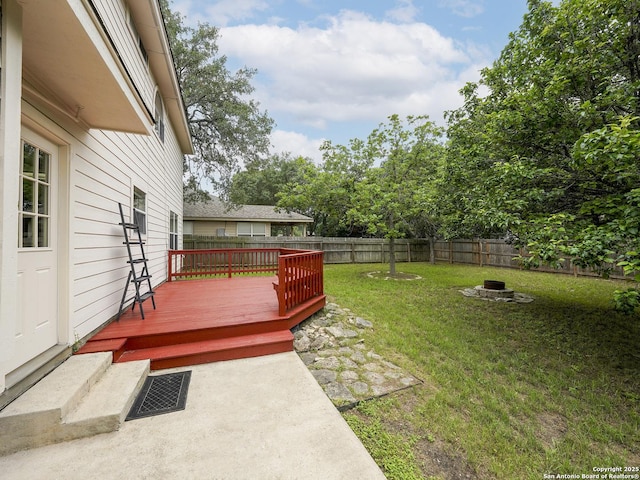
point(252, 230)
point(173, 231)
point(39, 210)
point(136, 38)
point(139, 215)
point(159, 116)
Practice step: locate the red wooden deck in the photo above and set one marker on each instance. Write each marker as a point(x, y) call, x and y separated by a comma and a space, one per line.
point(201, 321)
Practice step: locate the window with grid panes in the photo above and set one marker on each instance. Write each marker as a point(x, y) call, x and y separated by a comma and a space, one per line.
point(34, 214)
point(140, 209)
point(173, 231)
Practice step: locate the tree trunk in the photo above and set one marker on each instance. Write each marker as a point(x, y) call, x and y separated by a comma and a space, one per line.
point(392, 256)
point(432, 250)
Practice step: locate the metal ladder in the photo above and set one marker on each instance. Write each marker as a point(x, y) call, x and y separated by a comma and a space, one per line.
point(135, 277)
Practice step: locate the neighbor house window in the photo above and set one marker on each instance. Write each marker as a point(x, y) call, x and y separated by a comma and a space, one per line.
point(159, 117)
point(34, 214)
point(246, 229)
point(173, 231)
point(140, 209)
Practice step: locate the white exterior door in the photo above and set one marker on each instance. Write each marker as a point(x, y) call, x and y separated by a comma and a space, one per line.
point(36, 325)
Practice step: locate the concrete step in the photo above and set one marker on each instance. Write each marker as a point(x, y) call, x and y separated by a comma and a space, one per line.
point(59, 407)
point(106, 406)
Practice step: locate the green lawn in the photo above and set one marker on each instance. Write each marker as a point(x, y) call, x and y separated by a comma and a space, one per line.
point(510, 390)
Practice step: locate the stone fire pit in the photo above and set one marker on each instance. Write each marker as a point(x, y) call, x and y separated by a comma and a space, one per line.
point(496, 290)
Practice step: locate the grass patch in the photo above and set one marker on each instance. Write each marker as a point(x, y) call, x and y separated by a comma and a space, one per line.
point(393, 451)
point(511, 390)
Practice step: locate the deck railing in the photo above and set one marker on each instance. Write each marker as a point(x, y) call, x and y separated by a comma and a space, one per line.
point(189, 264)
point(300, 272)
point(300, 278)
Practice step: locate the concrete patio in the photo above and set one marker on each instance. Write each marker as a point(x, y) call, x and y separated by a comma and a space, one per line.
point(256, 418)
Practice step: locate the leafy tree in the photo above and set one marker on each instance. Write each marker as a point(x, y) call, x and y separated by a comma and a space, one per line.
point(325, 192)
point(394, 200)
point(227, 128)
point(550, 153)
point(261, 181)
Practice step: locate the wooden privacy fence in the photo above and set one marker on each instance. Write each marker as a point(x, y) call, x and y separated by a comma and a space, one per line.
point(497, 253)
point(299, 272)
point(336, 249)
point(482, 252)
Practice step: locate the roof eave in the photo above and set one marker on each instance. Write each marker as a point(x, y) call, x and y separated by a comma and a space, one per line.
point(151, 28)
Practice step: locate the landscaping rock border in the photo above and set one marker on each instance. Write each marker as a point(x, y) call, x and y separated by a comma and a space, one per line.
point(330, 345)
point(516, 298)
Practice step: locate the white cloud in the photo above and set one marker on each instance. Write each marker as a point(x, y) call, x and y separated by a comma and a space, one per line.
point(296, 144)
point(353, 68)
point(464, 8)
point(405, 12)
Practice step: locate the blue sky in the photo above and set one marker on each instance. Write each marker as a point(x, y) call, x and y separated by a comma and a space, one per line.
point(335, 70)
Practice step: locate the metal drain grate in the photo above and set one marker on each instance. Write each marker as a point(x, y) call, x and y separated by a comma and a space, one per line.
point(161, 394)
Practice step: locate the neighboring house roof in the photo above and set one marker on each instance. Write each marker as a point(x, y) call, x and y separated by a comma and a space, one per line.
point(215, 209)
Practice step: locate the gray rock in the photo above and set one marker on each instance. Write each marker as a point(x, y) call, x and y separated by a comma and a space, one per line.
point(322, 322)
point(330, 363)
point(348, 363)
point(302, 344)
point(319, 342)
point(379, 390)
point(374, 356)
point(374, 378)
point(308, 358)
point(408, 381)
point(358, 357)
point(390, 365)
point(329, 352)
point(337, 391)
point(359, 388)
point(373, 367)
point(349, 376)
point(362, 323)
point(324, 376)
point(350, 334)
point(336, 330)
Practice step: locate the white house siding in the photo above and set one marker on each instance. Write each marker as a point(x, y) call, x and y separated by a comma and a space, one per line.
point(97, 169)
point(210, 228)
point(105, 168)
point(114, 15)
